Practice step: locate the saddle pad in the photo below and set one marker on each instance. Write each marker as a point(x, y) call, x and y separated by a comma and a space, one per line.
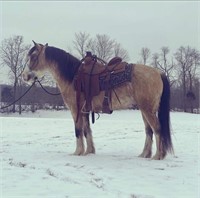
point(116, 78)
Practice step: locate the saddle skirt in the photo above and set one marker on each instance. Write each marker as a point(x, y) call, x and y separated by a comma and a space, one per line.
point(94, 76)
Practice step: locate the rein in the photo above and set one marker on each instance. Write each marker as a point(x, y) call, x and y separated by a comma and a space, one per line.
point(20, 96)
point(53, 94)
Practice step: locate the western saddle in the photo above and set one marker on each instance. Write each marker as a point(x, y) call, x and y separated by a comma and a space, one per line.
point(94, 76)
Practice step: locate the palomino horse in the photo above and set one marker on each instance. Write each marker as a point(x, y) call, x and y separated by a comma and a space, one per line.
point(149, 90)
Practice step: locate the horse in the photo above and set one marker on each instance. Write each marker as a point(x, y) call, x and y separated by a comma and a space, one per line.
point(149, 89)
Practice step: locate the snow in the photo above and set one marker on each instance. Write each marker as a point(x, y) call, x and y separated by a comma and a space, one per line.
point(36, 158)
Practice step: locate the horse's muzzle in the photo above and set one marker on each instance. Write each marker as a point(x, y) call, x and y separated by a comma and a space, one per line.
point(29, 76)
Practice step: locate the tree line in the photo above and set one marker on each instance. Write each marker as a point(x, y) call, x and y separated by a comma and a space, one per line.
point(35, 99)
point(182, 67)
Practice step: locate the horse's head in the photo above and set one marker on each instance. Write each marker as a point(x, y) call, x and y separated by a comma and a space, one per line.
point(36, 63)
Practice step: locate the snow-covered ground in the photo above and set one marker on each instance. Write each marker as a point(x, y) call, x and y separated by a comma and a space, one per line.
point(36, 158)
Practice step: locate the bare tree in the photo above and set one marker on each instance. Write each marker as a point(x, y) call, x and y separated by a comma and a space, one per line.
point(101, 45)
point(155, 59)
point(187, 61)
point(104, 46)
point(161, 62)
point(120, 52)
point(13, 54)
point(145, 54)
point(81, 43)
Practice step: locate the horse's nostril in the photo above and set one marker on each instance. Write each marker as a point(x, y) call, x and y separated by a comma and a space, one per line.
point(28, 77)
point(25, 77)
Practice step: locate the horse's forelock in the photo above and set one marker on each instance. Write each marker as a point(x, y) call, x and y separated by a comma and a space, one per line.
point(32, 50)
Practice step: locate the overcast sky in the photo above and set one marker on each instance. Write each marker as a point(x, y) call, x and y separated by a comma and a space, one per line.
point(133, 24)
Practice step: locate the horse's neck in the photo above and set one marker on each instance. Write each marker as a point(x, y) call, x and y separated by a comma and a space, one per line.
point(63, 84)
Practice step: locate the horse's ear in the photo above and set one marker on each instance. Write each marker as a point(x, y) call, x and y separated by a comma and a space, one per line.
point(34, 43)
point(46, 45)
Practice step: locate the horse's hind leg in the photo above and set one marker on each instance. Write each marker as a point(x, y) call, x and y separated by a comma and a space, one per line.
point(88, 135)
point(147, 151)
point(153, 121)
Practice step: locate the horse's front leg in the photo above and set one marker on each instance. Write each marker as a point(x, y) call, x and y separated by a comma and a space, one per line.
point(88, 135)
point(80, 149)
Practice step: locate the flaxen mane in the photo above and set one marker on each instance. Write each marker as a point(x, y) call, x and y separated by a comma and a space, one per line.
point(31, 50)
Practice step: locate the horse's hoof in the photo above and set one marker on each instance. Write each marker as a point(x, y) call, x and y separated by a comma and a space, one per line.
point(78, 153)
point(89, 152)
point(157, 157)
point(145, 155)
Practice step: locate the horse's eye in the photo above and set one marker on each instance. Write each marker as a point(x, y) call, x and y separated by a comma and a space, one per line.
point(33, 61)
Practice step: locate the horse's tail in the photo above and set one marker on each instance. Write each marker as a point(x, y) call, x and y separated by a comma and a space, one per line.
point(164, 117)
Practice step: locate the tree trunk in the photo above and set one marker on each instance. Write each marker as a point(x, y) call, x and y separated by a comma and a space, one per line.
point(184, 94)
point(14, 95)
point(33, 107)
point(20, 93)
point(191, 100)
